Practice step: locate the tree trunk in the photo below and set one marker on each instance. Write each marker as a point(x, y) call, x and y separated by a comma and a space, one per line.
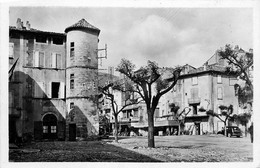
point(225, 130)
point(245, 129)
point(150, 128)
point(116, 128)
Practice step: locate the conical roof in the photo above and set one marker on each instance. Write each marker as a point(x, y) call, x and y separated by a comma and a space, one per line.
point(82, 24)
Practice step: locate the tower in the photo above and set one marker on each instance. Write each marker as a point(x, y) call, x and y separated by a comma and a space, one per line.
point(81, 80)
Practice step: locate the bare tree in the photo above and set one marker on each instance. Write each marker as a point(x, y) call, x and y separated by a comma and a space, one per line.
point(241, 63)
point(123, 87)
point(224, 116)
point(179, 116)
point(151, 83)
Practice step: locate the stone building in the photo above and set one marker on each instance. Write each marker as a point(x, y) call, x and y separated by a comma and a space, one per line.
point(205, 87)
point(52, 89)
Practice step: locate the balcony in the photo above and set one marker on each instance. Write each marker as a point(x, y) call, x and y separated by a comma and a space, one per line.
point(194, 100)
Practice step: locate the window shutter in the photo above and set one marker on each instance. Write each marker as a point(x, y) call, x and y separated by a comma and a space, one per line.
point(62, 89)
point(36, 59)
point(58, 60)
point(41, 89)
point(220, 93)
point(49, 90)
point(11, 50)
point(53, 60)
point(11, 100)
point(36, 89)
point(41, 55)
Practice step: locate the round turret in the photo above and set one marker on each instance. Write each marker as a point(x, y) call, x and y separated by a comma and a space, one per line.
point(81, 77)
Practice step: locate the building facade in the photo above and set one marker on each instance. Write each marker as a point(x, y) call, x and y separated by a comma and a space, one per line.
point(53, 84)
point(206, 87)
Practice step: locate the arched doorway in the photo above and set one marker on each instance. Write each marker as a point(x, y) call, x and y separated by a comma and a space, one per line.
point(49, 126)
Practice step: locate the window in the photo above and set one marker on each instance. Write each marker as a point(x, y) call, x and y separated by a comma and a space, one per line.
point(194, 93)
point(194, 80)
point(107, 111)
point(124, 114)
point(220, 93)
point(195, 109)
point(71, 105)
point(72, 53)
point(55, 60)
point(219, 79)
point(136, 112)
point(55, 89)
point(71, 81)
point(219, 111)
point(57, 41)
point(45, 129)
point(53, 129)
point(38, 59)
point(39, 89)
point(11, 50)
point(11, 99)
point(41, 39)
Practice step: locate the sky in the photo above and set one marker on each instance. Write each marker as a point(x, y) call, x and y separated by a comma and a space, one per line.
point(168, 36)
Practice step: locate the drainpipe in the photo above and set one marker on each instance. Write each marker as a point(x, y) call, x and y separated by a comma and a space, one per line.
point(212, 99)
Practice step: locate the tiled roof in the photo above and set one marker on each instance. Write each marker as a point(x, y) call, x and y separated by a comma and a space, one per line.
point(35, 31)
point(82, 24)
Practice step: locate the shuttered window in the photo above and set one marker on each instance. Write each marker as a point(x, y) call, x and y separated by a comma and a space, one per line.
point(56, 60)
point(194, 93)
point(39, 89)
point(38, 59)
point(194, 80)
point(219, 79)
point(220, 93)
point(11, 50)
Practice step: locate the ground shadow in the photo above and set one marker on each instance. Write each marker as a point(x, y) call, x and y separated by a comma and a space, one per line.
point(80, 151)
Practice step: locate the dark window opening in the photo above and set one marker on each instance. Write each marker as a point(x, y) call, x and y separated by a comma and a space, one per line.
point(107, 111)
point(41, 39)
point(55, 89)
point(71, 105)
point(58, 41)
point(72, 52)
point(72, 84)
point(195, 109)
point(71, 81)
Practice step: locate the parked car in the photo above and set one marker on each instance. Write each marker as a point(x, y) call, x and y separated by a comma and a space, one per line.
point(232, 131)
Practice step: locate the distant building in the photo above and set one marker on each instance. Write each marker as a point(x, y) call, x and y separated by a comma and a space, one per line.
point(205, 87)
point(54, 83)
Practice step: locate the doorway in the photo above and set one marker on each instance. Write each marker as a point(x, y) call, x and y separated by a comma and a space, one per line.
point(49, 126)
point(72, 132)
point(197, 127)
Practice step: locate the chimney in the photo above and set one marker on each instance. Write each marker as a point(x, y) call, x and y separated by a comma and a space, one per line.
point(28, 25)
point(251, 50)
point(205, 66)
point(19, 24)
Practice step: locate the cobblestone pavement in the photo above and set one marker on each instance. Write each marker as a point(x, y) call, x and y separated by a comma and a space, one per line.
point(134, 149)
